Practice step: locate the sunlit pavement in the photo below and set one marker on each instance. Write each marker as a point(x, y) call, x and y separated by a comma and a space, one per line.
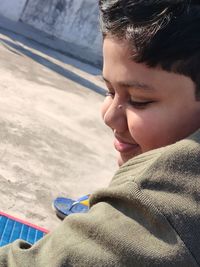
point(52, 139)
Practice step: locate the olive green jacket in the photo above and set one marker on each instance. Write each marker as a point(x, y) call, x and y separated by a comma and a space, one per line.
point(148, 216)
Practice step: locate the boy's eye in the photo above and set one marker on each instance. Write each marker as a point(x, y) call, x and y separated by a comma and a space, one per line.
point(137, 104)
point(109, 93)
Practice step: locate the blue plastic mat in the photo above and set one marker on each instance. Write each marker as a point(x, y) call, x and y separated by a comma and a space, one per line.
point(12, 228)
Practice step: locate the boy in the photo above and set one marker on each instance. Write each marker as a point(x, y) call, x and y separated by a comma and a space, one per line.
point(150, 213)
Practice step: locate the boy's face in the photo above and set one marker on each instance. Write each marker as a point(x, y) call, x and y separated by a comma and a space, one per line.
point(146, 107)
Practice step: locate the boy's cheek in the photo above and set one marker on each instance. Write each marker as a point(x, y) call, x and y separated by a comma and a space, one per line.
point(143, 126)
point(147, 133)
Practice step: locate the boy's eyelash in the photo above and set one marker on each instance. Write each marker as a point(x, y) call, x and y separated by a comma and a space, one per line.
point(108, 93)
point(135, 104)
point(139, 104)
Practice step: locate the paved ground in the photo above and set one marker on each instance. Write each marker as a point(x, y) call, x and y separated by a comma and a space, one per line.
point(52, 139)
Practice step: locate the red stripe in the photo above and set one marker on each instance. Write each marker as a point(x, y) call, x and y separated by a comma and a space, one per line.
point(24, 222)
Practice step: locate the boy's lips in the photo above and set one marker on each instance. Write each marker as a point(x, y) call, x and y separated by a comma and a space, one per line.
point(124, 147)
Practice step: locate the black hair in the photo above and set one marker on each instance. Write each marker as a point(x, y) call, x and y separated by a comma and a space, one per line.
point(162, 33)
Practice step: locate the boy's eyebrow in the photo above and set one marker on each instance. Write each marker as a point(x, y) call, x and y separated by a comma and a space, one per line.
point(133, 84)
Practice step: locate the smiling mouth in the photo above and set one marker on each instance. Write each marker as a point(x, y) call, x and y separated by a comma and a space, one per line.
point(126, 148)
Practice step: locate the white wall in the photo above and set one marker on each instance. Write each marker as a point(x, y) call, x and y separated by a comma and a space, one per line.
point(12, 9)
point(74, 21)
point(81, 24)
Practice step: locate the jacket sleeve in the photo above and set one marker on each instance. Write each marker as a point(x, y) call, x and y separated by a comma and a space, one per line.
point(127, 225)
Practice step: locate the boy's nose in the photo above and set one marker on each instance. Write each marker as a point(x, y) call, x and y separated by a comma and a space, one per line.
point(115, 117)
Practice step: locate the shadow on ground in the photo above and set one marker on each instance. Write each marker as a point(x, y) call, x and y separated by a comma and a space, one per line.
point(15, 48)
point(31, 43)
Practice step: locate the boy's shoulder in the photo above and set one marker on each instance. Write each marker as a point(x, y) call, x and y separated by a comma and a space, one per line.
point(158, 193)
point(181, 157)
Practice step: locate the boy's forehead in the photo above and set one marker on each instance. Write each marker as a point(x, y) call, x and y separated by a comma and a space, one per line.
point(122, 70)
point(132, 84)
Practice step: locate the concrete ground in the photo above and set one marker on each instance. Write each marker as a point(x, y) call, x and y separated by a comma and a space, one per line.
point(52, 139)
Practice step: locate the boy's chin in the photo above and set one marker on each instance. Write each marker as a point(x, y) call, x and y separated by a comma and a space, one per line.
point(120, 162)
point(123, 159)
